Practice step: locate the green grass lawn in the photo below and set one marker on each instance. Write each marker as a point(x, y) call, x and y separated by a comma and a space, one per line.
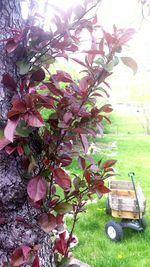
point(126, 124)
point(133, 154)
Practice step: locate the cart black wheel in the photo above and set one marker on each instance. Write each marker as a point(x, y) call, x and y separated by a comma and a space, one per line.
point(108, 208)
point(143, 222)
point(114, 231)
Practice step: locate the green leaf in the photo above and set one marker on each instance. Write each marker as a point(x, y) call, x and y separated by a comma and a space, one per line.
point(47, 59)
point(119, 50)
point(46, 173)
point(1, 133)
point(23, 130)
point(109, 66)
point(82, 184)
point(115, 60)
point(63, 208)
point(99, 61)
point(23, 66)
point(26, 150)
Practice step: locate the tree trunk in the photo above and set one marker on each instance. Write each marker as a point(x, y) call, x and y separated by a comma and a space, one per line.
point(13, 196)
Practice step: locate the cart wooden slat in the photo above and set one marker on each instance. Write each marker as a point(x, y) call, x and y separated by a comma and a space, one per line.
point(122, 200)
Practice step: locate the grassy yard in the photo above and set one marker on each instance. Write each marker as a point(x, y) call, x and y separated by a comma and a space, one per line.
point(133, 154)
point(125, 124)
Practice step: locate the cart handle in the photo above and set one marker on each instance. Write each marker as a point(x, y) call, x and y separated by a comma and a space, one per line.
point(131, 175)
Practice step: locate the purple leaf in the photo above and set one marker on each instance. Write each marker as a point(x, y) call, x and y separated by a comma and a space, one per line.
point(4, 142)
point(10, 128)
point(53, 89)
point(47, 222)
point(62, 179)
point(9, 150)
point(11, 46)
point(81, 162)
point(131, 63)
point(38, 75)
point(106, 108)
point(34, 120)
point(79, 61)
point(91, 131)
point(80, 130)
point(83, 84)
point(9, 82)
point(36, 262)
point(62, 76)
point(37, 188)
point(20, 255)
point(65, 160)
point(126, 36)
point(84, 142)
point(67, 117)
point(108, 163)
point(87, 176)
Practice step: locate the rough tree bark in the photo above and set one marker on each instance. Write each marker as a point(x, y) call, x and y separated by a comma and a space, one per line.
point(13, 196)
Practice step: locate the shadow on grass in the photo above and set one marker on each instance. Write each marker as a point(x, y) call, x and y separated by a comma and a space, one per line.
point(130, 233)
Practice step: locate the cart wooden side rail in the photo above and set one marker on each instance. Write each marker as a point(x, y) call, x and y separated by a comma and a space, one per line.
point(123, 202)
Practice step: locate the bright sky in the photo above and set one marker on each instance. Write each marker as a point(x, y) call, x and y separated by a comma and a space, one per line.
point(124, 14)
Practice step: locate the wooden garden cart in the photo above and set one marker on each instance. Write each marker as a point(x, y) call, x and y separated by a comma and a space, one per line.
point(125, 202)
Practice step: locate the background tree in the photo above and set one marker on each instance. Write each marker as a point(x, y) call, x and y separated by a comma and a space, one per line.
point(36, 191)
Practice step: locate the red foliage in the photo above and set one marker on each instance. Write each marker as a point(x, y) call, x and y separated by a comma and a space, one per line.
point(20, 256)
point(9, 82)
point(36, 262)
point(61, 244)
point(62, 179)
point(47, 222)
point(108, 164)
point(37, 188)
point(73, 116)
